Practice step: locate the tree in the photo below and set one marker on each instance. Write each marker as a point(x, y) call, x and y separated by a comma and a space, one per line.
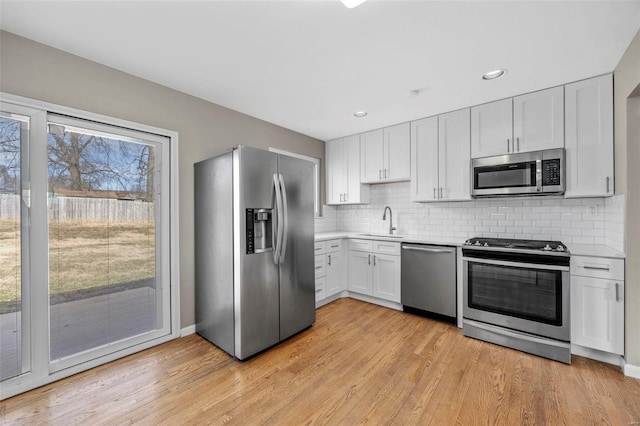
point(83, 162)
point(9, 154)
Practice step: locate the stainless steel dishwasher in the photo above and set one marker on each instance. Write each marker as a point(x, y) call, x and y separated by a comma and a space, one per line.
point(428, 283)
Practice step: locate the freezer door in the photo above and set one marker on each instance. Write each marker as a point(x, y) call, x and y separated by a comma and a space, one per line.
point(297, 277)
point(256, 289)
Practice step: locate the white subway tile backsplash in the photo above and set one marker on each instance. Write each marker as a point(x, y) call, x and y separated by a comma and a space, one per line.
point(572, 221)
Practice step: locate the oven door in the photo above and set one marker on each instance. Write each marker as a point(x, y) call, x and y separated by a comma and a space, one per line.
point(527, 297)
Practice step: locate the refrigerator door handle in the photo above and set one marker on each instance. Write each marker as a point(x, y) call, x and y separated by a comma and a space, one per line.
point(276, 221)
point(285, 219)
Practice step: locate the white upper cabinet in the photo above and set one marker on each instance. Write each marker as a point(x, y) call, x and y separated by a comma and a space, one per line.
point(372, 156)
point(525, 123)
point(424, 159)
point(538, 120)
point(491, 128)
point(589, 137)
point(343, 172)
point(385, 154)
point(440, 156)
point(454, 154)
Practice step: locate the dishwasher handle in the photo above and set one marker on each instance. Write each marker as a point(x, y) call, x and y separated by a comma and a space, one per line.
point(428, 250)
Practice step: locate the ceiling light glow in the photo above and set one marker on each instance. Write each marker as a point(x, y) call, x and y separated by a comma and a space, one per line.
point(360, 113)
point(350, 4)
point(493, 74)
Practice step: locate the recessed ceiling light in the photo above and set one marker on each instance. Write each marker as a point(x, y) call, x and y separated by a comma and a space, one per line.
point(493, 74)
point(352, 3)
point(360, 113)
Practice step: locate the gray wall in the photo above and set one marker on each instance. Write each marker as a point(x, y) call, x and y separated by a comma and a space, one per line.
point(627, 134)
point(40, 72)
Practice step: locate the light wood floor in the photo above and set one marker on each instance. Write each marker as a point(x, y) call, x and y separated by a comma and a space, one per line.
point(359, 363)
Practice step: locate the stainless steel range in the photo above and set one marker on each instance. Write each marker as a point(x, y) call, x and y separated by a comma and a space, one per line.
point(516, 294)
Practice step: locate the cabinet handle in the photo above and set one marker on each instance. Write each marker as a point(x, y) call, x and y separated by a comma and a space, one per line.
point(329, 260)
point(374, 260)
point(336, 246)
point(319, 290)
point(369, 259)
point(440, 193)
point(434, 193)
point(346, 197)
point(508, 145)
point(607, 184)
point(385, 173)
point(518, 143)
point(380, 174)
point(617, 292)
point(318, 267)
point(318, 248)
point(602, 268)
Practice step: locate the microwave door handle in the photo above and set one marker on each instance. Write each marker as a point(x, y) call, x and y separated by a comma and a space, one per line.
point(539, 175)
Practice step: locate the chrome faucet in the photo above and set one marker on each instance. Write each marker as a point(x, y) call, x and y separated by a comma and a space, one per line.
point(384, 217)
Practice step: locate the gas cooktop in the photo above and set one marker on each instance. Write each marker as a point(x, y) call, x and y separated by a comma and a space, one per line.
point(513, 244)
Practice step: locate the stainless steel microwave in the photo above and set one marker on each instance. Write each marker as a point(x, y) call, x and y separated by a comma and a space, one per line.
point(526, 173)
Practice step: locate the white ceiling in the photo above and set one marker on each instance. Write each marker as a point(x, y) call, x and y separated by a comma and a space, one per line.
point(309, 65)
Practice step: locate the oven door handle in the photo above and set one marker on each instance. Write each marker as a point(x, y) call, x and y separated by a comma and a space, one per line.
point(516, 264)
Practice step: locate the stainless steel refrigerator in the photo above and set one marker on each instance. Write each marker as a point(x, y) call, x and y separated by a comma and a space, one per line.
point(254, 264)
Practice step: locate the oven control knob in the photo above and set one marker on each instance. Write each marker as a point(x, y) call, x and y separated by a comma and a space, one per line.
point(560, 248)
point(547, 248)
point(477, 243)
point(486, 244)
point(468, 243)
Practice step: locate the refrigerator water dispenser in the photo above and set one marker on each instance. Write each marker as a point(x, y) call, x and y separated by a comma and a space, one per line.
point(258, 230)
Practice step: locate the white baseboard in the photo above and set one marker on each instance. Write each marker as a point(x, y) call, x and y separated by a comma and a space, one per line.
point(631, 370)
point(190, 329)
point(376, 301)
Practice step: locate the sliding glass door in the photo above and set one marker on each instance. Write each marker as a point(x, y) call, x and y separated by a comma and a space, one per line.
point(85, 253)
point(104, 238)
point(14, 281)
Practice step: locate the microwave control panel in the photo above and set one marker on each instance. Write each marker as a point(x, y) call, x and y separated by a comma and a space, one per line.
point(551, 172)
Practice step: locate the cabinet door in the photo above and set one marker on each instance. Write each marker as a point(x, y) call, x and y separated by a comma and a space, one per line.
point(321, 288)
point(597, 313)
point(538, 120)
point(386, 277)
point(589, 137)
point(491, 129)
point(335, 273)
point(360, 272)
point(424, 159)
point(371, 156)
point(397, 153)
point(355, 193)
point(454, 149)
point(335, 167)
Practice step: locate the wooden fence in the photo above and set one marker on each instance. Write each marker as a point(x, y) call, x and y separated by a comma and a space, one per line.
point(84, 209)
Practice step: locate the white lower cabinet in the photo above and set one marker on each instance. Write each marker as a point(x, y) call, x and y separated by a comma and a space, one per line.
point(330, 268)
point(336, 268)
point(374, 269)
point(597, 303)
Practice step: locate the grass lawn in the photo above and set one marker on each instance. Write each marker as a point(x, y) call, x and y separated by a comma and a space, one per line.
point(82, 255)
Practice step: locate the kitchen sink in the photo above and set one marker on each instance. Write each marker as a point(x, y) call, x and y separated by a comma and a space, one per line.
point(381, 235)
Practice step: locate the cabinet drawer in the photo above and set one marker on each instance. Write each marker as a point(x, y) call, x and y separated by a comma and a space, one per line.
point(360, 245)
point(597, 267)
point(320, 247)
point(321, 266)
point(334, 245)
point(386, 247)
point(321, 288)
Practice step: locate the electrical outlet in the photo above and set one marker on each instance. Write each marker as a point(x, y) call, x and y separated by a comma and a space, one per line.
point(592, 210)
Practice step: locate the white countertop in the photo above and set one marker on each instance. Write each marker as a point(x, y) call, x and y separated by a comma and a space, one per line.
point(594, 250)
point(324, 236)
point(597, 250)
